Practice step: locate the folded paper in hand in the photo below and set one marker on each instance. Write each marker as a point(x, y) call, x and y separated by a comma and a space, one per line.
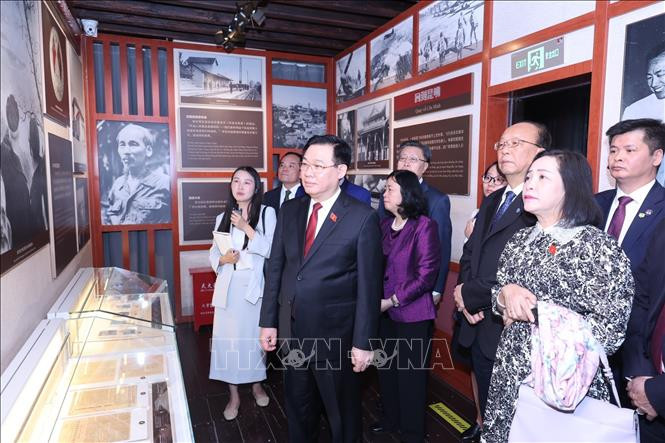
point(224, 242)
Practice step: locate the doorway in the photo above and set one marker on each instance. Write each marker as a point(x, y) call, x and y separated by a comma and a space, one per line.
point(562, 106)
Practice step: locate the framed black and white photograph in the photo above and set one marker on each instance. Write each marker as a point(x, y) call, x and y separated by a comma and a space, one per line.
point(375, 184)
point(219, 79)
point(449, 31)
point(77, 112)
point(298, 71)
point(24, 224)
point(373, 136)
point(134, 172)
point(346, 129)
point(391, 55)
point(643, 91)
point(298, 113)
point(55, 69)
point(350, 75)
point(82, 212)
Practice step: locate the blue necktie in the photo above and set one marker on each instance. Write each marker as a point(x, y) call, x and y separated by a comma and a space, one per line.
point(510, 196)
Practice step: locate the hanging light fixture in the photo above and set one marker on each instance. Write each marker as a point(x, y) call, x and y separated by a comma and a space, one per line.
point(248, 13)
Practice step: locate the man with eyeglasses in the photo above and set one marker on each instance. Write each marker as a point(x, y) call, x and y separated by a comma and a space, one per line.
point(415, 157)
point(323, 287)
point(501, 214)
point(288, 175)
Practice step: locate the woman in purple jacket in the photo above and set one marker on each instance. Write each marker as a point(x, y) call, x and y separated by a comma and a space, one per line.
point(412, 257)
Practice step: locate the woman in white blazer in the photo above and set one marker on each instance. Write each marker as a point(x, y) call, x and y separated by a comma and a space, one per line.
point(236, 356)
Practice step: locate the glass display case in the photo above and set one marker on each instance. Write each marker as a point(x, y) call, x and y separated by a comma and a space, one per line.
point(115, 292)
point(108, 372)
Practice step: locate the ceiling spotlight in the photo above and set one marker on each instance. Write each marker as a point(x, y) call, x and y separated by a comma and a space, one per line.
point(247, 13)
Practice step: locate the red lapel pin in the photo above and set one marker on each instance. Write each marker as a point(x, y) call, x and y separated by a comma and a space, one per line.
point(333, 217)
point(552, 249)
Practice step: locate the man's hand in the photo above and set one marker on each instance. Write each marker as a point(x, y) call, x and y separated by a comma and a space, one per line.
point(518, 303)
point(360, 359)
point(639, 398)
point(473, 318)
point(268, 339)
point(457, 294)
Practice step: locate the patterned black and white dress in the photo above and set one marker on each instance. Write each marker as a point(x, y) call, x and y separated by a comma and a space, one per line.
point(582, 269)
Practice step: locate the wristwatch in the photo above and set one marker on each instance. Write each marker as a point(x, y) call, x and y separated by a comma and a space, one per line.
point(395, 301)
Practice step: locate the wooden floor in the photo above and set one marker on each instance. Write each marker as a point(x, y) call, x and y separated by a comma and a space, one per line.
point(207, 399)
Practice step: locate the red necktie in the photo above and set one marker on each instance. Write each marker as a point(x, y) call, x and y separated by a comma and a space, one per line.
point(310, 232)
point(657, 337)
point(614, 229)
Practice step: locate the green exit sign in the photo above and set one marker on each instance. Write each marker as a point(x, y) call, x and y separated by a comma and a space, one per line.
point(537, 58)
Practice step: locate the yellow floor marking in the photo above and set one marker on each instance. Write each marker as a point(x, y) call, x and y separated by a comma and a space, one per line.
point(448, 415)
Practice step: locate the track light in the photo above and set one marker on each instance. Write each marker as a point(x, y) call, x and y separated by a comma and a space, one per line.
point(233, 35)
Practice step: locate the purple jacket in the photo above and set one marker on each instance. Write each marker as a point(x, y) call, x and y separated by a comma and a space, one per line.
point(413, 258)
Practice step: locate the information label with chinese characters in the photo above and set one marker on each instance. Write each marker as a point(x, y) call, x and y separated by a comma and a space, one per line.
point(449, 141)
point(221, 138)
point(437, 97)
point(201, 203)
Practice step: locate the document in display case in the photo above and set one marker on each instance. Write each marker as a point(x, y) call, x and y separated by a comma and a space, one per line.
point(114, 292)
point(73, 383)
point(104, 366)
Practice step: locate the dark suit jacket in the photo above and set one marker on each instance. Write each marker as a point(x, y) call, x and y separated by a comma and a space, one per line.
point(357, 192)
point(438, 209)
point(478, 266)
point(271, 198)
point(647, 304)
point(640, 232)
point(334, 292)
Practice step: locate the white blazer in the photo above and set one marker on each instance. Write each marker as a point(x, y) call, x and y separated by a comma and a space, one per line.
point(257, 251)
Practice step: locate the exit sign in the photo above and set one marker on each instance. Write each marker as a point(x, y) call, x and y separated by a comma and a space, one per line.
point(536, 58)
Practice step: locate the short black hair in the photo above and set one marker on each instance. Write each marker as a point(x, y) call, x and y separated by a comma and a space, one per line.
point(654, 52)
point(544, 139)
point(297, 154)
point(342, 152)
point(579, 205)
point(427, 152)
point(654, 132)
point(414, 202)
point(497, 168)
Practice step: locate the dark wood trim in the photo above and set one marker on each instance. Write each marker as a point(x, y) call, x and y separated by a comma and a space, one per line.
point(544, 77)
point(597, 98)
point(108, 80)
point(124, 83)
point(279, 81)
point(131, 228)
point(66, 22)
point(126, 262)
point(140, 91)
point(454, 267)
point(204, 247)
point(553, 31)
point(151, 252)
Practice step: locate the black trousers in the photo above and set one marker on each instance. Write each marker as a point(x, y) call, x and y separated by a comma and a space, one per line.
point(482, 368)
point(403, 379)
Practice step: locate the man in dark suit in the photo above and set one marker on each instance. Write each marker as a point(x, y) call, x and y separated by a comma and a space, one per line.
point(642, 352)
point(355, 191)
point(324, 285)
point(501, 214)
point(288, 175)
point(636, 206)
point(416, 157)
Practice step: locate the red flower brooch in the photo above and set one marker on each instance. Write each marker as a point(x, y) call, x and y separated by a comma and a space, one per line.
point(552, 249)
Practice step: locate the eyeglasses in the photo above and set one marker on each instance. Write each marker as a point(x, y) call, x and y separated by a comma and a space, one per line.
point(318, 169)
point(405, 159)
point(490, 179)
point(511, 144)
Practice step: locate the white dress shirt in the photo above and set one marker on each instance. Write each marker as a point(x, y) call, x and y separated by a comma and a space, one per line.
point(282, 193)
point(517, 191)
point(638, 196)
point(326, 205)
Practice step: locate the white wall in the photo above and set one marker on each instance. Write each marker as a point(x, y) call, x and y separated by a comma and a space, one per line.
point(514, 19)
point(28, 292)
point(577, 47)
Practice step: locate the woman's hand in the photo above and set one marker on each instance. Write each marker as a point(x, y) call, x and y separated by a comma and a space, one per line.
point(238, 221)
point(518, 303)
point(468, 229)
point(231, 257)
point(386, 304)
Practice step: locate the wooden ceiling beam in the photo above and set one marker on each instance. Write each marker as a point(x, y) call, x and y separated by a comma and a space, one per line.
point(386, 9)
point(202, 38)
point(219, 19)
point(205, 29)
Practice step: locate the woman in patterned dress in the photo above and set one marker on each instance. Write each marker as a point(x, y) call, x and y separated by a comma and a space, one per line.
point(563, 259)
